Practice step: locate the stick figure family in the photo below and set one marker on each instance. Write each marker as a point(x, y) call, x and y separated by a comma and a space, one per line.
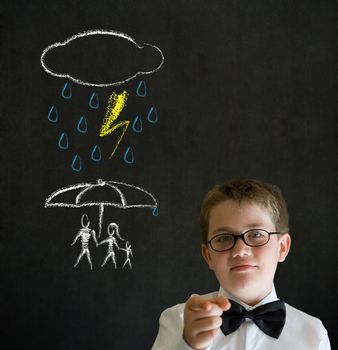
point(85, 233)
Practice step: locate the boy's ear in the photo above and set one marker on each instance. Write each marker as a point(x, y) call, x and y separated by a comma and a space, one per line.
point(206, 255)
point(284, 246)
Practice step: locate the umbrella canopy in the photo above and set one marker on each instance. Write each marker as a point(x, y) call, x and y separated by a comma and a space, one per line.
point(102, 193)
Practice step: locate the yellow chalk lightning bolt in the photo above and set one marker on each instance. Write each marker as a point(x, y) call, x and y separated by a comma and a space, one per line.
point(116, 103)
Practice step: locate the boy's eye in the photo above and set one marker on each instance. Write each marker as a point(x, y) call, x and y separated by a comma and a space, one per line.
point(256, 234)
point(223, 238)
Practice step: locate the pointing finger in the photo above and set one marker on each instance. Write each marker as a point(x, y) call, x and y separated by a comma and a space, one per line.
point(197, 303)
point(222, 302)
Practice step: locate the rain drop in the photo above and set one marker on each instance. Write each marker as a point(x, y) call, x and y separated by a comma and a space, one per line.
point(96, 154)
point(155, 211)
point(94, 101)
point(141, 89)
point(63, 141)
point(77, 163)
point(66, 92)
point(82, 125)
point(152, 115)
point(129, 156)
point(137, 124)
point(53, 115)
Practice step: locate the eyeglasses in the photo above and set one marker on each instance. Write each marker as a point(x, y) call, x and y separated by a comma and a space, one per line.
point(252, 238)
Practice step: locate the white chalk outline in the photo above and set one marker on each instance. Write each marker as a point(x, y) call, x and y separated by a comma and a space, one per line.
point(129, 252)
point(97, 32)
point(111, 242)
point(85, 233)
point(88, 186)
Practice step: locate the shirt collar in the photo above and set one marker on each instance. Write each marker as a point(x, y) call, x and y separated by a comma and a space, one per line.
point(272, 296)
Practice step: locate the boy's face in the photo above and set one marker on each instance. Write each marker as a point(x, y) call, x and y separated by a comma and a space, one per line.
point(245, 272)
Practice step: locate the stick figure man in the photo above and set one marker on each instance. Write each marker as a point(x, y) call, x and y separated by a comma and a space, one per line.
point(129, 253)
point(113, 229)
point(85, 233)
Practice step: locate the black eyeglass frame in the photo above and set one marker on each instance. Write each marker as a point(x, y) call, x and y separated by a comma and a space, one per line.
point(236, 237)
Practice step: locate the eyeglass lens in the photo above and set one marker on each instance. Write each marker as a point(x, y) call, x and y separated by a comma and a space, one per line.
point(226, 241)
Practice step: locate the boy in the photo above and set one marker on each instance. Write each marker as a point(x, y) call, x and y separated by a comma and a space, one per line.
point(244, 226)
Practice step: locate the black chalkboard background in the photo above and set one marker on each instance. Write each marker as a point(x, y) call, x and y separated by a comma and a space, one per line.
point(247, 89)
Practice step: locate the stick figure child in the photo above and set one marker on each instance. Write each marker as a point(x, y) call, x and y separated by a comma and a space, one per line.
point(113, 229)
point(85, 233)
point(129, 253)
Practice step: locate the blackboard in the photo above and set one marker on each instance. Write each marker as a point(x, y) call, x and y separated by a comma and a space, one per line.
point(229, 89)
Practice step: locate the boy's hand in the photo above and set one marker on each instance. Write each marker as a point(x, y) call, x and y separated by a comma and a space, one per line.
point(202, 320)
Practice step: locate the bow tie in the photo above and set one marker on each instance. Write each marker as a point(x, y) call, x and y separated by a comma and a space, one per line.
point(270, 318)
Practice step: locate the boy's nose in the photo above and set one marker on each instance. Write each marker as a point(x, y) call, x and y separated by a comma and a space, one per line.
point(241, 249)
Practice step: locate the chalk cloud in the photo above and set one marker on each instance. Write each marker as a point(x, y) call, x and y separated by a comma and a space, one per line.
point(109, 81)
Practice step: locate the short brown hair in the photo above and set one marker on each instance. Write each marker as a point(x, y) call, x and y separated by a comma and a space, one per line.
point(267, 195)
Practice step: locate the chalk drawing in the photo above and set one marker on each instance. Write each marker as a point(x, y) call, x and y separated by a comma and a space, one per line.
point(137, 124)
point(141, 89)
point(96, 153)
point(94, 101)
point(113, 229)
point(116, 103)
point(77, 163)
point(63, 142)
point(129, 253)
point(128, 156)
point(152, 115)
point(49, 49)
point(85, 233)
point(111, 124)
point(53, 115)
point(81, 190)
point(66, 92)
point(82, 125)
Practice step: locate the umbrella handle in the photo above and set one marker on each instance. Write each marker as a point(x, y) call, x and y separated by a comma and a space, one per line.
point(100, 218)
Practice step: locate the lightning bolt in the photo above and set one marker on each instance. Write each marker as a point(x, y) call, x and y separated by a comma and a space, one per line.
point(116, 103)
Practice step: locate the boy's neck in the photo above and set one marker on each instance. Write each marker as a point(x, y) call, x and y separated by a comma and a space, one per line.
point(252, 302)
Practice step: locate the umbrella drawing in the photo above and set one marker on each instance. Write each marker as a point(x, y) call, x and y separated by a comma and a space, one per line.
point(102, 193)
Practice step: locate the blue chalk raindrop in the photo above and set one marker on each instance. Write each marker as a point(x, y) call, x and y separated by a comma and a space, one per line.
point(53, 115)
point(82, 125)
point(137, 124)
point(128, 156)
point(94, 102)
point(141, 89)
point(96, 154)
point(66, 92)
point(155, 211)
point(77, 163)
point(63, 141)
point(152, 115)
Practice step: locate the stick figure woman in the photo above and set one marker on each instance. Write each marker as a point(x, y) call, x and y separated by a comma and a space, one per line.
point(85, 233)
point(113, 229)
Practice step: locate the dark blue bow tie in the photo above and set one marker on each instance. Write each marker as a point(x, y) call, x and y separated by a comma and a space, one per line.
point(270, 317)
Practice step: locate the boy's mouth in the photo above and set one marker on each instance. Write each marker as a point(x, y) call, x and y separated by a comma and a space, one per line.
point(243, 268)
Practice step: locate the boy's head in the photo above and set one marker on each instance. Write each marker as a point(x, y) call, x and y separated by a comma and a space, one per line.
point(253, 191)
point(232, 209)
